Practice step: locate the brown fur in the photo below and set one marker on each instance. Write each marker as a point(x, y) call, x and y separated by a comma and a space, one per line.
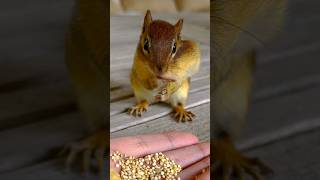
point(185, 45)
point(238, 27)
point(177, 68)
point(86, 59)
point(160, 35)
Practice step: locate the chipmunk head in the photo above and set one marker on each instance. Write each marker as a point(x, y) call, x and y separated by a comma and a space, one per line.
point(159, 42)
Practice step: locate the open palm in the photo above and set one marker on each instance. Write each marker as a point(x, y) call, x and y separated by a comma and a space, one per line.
point(184, 148)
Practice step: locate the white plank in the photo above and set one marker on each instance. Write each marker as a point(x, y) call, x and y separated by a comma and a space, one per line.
point(23, 16)
point(127, 30)
point(17, 66)
point(198, 18)
point(32, 103)
point(49, 170)
point(126, 91)
point(199, 126)
point(27, 144)
point(281, 112)
point(287, 69)
point(294, 158)
point(123, 120)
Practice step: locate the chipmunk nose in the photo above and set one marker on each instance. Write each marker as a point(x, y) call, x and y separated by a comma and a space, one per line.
point(159, 67)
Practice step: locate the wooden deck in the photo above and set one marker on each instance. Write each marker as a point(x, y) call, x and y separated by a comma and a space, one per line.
point(38, 109)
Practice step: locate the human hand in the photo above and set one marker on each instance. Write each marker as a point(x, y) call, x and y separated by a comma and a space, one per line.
point(184, 148)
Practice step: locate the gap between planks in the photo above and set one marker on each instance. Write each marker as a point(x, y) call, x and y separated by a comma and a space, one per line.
point(123, 120)
point(280, 134)
point(131, 31)
point(200, 125)
point(293, 86)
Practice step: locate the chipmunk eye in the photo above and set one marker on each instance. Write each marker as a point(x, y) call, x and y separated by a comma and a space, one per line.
point(146, 45)
point(174, 47)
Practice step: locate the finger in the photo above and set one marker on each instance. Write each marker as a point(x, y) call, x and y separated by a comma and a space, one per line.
point(189, 155)
point(191, 171)
point(204, 176)
point(146, 144)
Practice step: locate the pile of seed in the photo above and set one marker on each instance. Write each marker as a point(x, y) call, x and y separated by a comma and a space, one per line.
point(154, 166)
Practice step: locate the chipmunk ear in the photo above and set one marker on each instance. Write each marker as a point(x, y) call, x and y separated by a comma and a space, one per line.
point(178, 26)
point(147, 20)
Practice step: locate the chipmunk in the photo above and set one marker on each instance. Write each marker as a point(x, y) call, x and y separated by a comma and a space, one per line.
point(162, 68)
point(86, 60)
point(236, 27)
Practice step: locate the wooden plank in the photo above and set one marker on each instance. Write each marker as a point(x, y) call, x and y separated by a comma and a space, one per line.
point(277, 113)
point(27, 106)
point(299, 32)
point(292, 158)
point(268, 56)
point(197, 18)
point(287, 69)
point(49, 170)
point(199, 126)
point(196, 33)
point(37, 139)
point(290, 87)
point(33, 41)
point(123, 120)
point(42, 68)
point(119, 106)
point(22, 5)
point(301, 9)
point(127, 30)
point(280, 134)
point(25, 17)
point(126, 91)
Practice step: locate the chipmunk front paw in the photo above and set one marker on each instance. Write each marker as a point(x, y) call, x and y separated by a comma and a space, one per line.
point(229, 161)
point(180, 114)
point(138, 109)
